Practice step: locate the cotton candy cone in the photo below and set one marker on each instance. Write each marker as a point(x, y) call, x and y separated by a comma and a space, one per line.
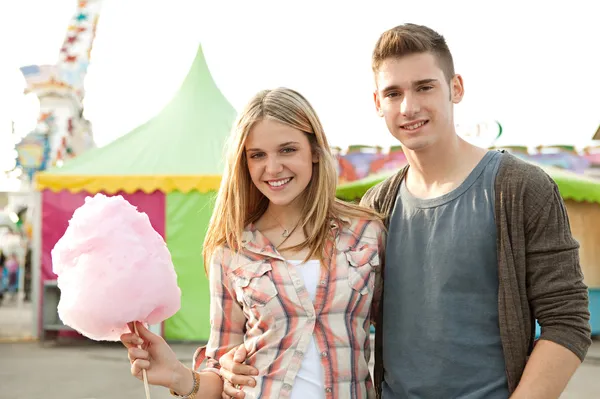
point(113, 268)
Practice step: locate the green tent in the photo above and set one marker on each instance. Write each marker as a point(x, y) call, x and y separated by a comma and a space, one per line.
point(169, 168)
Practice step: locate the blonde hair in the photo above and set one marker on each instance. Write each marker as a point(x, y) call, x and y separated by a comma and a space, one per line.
point(240, 203)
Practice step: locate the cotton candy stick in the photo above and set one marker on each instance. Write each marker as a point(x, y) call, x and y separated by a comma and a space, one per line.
point(144, 374)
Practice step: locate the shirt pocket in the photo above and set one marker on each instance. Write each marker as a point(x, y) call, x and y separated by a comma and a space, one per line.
point(255, 283)
point(363, 263)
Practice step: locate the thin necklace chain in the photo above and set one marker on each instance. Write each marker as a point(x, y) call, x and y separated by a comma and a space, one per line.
point(286, 233)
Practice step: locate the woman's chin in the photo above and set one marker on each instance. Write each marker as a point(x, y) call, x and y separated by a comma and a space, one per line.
point(281, 199)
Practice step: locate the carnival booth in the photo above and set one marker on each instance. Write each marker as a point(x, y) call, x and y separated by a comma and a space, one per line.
point(170, 169)
point(582, 198)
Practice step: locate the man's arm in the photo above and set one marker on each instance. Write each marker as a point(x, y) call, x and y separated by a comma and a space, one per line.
point(379, 240)
point(558, 298)
point(547, 373)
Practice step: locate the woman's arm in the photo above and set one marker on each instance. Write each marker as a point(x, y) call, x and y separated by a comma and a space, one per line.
point(227, 321)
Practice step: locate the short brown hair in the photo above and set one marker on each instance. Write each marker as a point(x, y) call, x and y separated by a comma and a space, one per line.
point(410, 39)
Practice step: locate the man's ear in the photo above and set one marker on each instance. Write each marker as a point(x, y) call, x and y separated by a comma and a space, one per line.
point(377, 104)
point(457, 89)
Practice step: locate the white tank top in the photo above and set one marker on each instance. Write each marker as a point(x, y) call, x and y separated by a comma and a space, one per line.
point(309, 380)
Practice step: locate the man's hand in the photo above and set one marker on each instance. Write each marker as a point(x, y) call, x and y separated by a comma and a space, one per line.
point(235, 373)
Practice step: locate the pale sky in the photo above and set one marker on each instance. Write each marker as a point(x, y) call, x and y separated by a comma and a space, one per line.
point(532, 65)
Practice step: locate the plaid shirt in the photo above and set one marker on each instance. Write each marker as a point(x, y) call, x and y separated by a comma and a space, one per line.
point(260, 300)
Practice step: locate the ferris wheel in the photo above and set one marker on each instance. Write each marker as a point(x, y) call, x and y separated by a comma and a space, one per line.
point(61, 131)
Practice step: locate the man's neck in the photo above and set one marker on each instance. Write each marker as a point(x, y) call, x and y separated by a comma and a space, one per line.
point(441, 168)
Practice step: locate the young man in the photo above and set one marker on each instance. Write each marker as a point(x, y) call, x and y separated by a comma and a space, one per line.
point(479, 247)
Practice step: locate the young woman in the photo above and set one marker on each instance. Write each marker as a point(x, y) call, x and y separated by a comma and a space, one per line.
point(292, 270)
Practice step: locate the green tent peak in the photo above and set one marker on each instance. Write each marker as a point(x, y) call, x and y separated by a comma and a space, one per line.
point(185, 138)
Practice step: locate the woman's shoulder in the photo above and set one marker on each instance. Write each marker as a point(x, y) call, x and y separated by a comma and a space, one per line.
point(364, 227)
point(230, 259)
point(222, 254)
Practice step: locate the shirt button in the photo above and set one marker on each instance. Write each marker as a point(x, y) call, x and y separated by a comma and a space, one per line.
point(323, 282)
point(324, 354)
point(328, 390)
point(287, 387)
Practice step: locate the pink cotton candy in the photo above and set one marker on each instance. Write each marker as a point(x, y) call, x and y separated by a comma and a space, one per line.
point(113, 268)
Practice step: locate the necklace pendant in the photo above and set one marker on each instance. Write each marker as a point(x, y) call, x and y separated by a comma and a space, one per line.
point(285, 233)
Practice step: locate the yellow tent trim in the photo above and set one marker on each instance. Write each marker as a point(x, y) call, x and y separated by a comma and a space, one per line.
point(128, 184)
